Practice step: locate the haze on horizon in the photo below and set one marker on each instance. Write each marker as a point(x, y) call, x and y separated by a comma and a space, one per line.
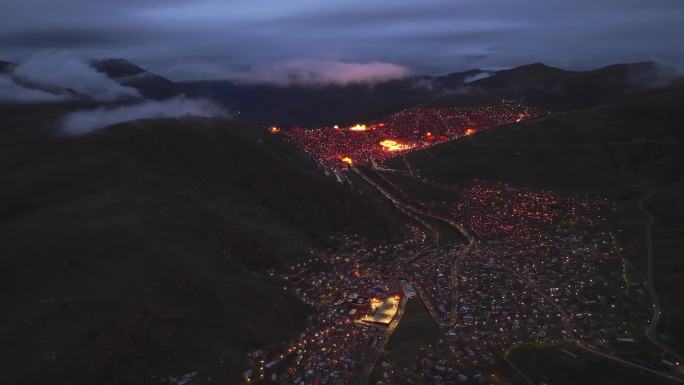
point(275, 39)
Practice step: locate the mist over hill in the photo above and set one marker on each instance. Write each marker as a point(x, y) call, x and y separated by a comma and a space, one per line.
point(536, 84)
point(312, 105)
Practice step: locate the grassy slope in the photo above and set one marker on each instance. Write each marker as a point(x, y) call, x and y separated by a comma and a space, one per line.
point(622, 151)
point(416, 330)
point(139, 251)
point(551, 365)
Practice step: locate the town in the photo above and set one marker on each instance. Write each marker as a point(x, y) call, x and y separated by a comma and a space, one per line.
point(522, 268)
point(403, 131)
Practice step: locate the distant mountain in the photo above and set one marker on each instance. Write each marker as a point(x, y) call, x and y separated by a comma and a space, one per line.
point(556, 88)
point(141, 250)
point(537, 84)
point(150, 85)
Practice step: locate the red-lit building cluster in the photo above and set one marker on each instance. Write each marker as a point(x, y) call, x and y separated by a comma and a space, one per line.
point(543, 269)
point(495, 210)
point(404, 131)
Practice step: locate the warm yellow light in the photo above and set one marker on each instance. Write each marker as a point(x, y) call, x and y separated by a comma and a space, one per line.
point(358, 127)
point(393, 145)
point(347, 160)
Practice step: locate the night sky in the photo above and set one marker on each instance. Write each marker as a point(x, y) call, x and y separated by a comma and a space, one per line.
point(200, 39)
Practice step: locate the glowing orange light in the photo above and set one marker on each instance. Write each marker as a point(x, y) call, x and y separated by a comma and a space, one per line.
point(358, 127)
point(347, 160)
point(428, 133)
point(393, 145)
point(470, 131)
point(397, 297)
point(357, 273)
point(274, 130)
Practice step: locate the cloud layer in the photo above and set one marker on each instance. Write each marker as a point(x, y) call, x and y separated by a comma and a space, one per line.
point(299, 72)
point(54, 76)
point(323, 72)
point(82, 122)
point(429, 36)
point(64, 73)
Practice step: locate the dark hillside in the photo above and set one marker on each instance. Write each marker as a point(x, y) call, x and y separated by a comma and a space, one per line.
point(139, 251)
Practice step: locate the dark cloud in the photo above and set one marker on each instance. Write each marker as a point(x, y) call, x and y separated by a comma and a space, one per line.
point(427, 36)
point(70, 39)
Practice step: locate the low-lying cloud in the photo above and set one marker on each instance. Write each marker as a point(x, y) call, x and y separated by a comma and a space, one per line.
point(11, 92)
point(323, 72)
point(82, 122)
point(314, 72)
point(479, 76)
point(68, 75)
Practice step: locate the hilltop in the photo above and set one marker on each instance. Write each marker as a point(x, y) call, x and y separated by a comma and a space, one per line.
point(559, 89)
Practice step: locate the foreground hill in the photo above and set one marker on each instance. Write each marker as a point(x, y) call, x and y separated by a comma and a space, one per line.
point(139, 251)
point(631, 151)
